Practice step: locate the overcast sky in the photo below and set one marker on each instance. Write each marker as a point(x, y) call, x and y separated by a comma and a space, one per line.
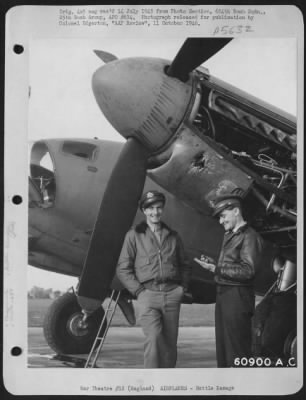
point(62, 103)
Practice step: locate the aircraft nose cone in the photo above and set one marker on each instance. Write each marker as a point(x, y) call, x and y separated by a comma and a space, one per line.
point(138, 99)
point(119, 94)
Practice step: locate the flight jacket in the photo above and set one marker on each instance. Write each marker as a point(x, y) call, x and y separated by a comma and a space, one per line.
point(144, 259)
point(240, 254)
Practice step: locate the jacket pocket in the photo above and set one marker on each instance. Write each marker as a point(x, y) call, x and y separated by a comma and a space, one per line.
point(143, 268)
point(141, 261)
point(170, 269)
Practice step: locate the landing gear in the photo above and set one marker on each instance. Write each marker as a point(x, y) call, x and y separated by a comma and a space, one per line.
point(290, 346)
point(63, 330)
point(275, 319)
point(275, 326)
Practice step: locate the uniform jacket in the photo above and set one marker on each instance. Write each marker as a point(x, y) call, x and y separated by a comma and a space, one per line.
point(144, 259)
point(239, 256)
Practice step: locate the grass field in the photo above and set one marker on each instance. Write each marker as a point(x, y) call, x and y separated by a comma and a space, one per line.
point(191, 314)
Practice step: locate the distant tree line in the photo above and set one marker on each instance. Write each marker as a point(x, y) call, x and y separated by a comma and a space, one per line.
point(37, 292)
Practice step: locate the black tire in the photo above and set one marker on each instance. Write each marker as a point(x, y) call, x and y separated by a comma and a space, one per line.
point(290, 346)
point(277, 315)
point(61, 330)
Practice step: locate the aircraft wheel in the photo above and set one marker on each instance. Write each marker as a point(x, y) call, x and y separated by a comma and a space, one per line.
point(277, 316)
point(290, 346)
point(61, 326)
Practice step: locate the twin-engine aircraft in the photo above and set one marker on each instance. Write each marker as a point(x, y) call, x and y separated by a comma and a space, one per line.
point(192, 136)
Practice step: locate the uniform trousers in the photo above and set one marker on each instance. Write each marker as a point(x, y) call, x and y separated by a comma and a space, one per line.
point(235, 307)
point(159, 318)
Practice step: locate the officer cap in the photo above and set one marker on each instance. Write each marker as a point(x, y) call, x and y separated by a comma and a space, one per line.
point(226, 201)
point(151, 197)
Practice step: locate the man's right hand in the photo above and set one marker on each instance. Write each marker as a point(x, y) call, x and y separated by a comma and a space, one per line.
point(209, 266)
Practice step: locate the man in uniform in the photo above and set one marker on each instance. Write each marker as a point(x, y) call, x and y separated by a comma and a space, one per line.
point(153, 267)
point(234, 276)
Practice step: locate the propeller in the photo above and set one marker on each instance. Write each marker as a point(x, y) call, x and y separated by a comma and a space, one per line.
point(194, 52)
point(105, 56)
point(115, 217)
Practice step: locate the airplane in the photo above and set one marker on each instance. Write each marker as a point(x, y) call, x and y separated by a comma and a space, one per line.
point(192, 136)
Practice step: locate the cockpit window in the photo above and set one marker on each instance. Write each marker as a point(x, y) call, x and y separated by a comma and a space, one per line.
point(42, 173)
point(80, 149)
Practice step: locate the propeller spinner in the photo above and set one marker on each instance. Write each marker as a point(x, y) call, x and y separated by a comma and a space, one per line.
point(140, 100)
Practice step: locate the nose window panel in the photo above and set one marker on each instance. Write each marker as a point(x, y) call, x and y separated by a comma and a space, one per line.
point(80, 149)
point(42, 173)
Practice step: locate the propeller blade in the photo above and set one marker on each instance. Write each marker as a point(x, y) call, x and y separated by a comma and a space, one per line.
point(115, 217)
point(104, 56)
point(194, 52)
